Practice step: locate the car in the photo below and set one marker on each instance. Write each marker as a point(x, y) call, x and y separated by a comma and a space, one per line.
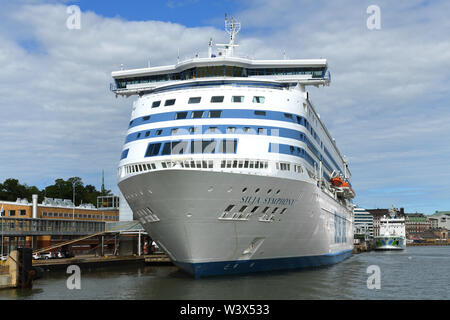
point(4, 258)
point(60, 255)
point(47, 255)
point(36, 256)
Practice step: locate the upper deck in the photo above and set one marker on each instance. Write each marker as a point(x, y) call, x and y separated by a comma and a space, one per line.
point(282, 72)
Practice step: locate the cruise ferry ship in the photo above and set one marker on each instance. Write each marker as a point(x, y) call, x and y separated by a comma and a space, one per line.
point(229, 167)
point(392, 234)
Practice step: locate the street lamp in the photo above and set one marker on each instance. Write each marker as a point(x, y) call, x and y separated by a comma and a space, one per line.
point(1, 213)
point(73, 212)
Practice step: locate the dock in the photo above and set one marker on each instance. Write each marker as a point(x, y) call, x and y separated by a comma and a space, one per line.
point(102, 261)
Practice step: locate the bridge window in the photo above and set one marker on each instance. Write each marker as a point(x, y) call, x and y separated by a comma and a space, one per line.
point(197, 114)
point(228, 146)
point(258, 99)
point(208, 146)
point(194, 100)
point(158, 132)
point(147, 133)
point(124, 154)
point(259, 113)
point(288, 115)
point(180, 147)
point(212, 129)
point(156, 104)
point(237, 99)
point(217, 99)
point(174, 131)
point(146, 118)
point(153, 149)
point(169, 102)
point(231, 129)
point(181, 115)
point(215, 113)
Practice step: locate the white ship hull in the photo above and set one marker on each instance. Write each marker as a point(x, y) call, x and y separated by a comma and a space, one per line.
point(181, 210)
point(390, 243)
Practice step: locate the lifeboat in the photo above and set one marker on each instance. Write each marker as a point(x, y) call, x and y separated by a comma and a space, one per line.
point(342, 187)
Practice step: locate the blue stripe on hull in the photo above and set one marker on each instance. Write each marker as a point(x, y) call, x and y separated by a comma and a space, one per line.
point(246, 266)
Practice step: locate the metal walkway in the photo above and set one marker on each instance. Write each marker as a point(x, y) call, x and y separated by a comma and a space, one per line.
point(22, 227)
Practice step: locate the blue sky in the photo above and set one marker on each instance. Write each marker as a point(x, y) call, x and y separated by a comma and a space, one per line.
point(387, 106)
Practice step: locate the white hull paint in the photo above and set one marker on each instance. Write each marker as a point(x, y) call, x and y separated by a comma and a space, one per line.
point(188, 204)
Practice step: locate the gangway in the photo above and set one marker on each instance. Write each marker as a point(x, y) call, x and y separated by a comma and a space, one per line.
point(115, 229)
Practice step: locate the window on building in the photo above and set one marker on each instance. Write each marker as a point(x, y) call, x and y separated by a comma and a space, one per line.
point(194, 100)
point(23, 212)
point(156, 104)
point(258, 99)
point(217, 99)
point(12, 213)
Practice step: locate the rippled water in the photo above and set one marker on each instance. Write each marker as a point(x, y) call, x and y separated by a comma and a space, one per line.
point(415, 273)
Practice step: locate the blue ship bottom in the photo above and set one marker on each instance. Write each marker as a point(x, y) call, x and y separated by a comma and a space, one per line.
point(258, 265)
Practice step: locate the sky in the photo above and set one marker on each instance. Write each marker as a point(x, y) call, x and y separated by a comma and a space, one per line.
point(387, 105)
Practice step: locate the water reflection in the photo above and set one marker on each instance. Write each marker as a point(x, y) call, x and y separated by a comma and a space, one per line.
point(415, 273)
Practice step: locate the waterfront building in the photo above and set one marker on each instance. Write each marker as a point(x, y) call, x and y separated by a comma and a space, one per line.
point(416, 223)
point(60, 209)
point(441, 219)
point(378, 214)
point(363, 223)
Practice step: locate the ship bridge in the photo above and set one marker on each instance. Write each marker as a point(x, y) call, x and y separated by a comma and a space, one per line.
point(223, 66)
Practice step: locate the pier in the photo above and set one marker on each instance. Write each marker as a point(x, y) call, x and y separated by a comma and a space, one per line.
point(102, 261)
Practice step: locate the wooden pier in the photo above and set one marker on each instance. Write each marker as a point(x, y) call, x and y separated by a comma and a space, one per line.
point(101, 261)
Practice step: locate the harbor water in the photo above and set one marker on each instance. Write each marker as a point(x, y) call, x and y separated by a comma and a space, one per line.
point(413, 273)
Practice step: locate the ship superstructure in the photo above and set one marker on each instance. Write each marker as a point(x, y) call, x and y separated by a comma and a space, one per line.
point(392, 233)
point(228, 166)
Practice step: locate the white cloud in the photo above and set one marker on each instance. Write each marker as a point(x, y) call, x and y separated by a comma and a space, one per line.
point(386, 106)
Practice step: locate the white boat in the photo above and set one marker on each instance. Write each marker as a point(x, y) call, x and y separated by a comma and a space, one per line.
point(228, 166)
point(392, 234)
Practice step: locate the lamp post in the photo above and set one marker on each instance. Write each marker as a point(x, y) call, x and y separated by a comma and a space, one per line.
point(73, 212)
point(1, 213)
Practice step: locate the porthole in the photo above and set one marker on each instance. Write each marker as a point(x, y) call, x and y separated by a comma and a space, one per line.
point(210, 189)
point(278, 191)
point(243, 190)
point(257, 190)
point(269, 191)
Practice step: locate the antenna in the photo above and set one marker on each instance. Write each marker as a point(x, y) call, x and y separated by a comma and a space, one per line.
point(232, 27)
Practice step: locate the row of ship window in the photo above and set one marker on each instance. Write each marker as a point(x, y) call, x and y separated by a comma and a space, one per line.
point(214, 99)
point(77, 215)
point(221, 71)
point(198, 114)
point(209, 164)
point(243, 214)
point(191, 147)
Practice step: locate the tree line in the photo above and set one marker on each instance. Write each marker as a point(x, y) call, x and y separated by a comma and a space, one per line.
point(11, 189)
